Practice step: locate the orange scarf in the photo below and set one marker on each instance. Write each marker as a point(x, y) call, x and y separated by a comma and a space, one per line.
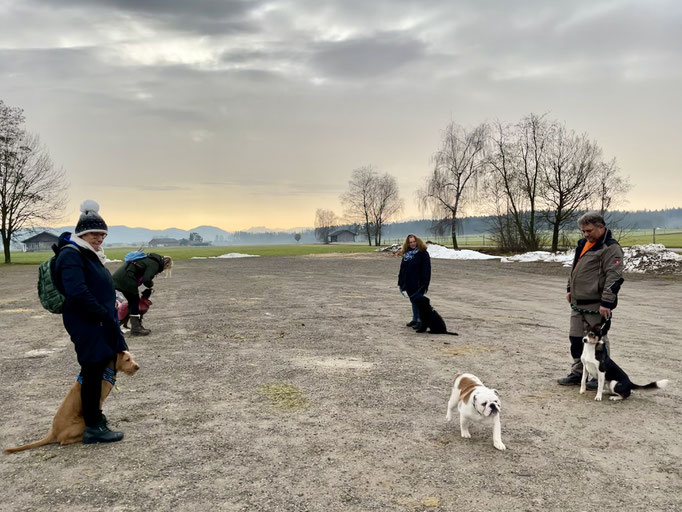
point(588, 246)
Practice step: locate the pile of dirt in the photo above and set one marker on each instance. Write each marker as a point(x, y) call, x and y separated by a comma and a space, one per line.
point(652, 258)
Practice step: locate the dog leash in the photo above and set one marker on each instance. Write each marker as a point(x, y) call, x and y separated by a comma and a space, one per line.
point(584, 311)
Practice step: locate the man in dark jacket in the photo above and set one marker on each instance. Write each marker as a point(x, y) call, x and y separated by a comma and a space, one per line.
point(593, 287)
point(89, 314)
point(129, 276)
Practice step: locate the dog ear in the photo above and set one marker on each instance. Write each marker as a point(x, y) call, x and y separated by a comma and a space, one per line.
point(495, 391)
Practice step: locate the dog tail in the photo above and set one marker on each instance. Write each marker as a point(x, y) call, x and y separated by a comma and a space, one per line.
point(451, 333)
point(46, 440)
point(658, 384)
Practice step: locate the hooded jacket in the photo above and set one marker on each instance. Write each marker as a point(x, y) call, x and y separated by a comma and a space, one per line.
point(129, 276)
point(415, 273)
point(89, 312)
point(596, 277)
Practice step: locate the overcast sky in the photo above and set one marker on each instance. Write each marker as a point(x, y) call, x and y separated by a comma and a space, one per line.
point(178, 113)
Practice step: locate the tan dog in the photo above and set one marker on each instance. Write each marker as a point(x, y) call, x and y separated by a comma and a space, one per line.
point(68, 424)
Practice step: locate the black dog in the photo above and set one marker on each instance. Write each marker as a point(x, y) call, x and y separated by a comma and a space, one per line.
point(430, 319)
point(597, 362)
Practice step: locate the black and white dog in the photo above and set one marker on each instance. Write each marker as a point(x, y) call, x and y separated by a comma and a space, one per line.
point(596, 362)
point(430, 319)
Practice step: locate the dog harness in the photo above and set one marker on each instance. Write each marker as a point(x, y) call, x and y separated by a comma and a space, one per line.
point(109, 375)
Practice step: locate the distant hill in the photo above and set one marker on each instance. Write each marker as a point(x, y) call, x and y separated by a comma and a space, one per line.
point(119, 235)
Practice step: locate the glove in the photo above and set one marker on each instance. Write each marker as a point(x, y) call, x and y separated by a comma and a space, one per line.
point(146, 293)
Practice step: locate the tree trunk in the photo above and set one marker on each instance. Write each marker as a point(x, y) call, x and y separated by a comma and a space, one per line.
point(555, 235)
point(454, 232)
point(5, 244)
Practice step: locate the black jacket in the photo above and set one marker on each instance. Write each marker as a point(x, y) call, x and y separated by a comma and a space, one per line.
point(89, 312)
point(415, 273)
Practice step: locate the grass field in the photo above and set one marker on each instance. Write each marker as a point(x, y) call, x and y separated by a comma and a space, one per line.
point(184, 253)
point(669, 238)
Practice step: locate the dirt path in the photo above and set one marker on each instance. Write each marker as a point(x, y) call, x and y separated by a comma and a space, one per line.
point(293, 384)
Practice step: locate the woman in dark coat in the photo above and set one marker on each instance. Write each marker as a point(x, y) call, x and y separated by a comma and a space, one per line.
point(129, 276)
point(89, 314)
point(415, 274)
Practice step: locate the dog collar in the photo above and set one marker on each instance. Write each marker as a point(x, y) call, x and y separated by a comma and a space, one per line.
point(109, 375)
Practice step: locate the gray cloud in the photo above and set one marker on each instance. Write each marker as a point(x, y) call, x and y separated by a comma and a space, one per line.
point(366, 57)
point(197, 16)
point(287, 96)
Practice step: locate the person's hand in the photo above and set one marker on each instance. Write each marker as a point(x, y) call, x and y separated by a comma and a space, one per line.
point(147, 293)
point(605, 312)
point(568, 297)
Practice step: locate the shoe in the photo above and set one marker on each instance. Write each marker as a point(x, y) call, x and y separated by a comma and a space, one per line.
point(411, 323)
point(101, 433)
point(592, 384)
point(136, 328)
point(570, 380)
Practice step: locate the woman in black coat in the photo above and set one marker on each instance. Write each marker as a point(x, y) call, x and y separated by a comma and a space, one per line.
point(415, 274)
point(89, 314)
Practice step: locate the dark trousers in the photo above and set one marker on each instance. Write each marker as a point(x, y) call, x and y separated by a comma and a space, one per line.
point(91, 391)
point(133, 303)
point(415, 310)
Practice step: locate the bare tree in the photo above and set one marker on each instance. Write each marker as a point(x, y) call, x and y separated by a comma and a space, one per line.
point(568, 178)
point(386, 204)
point(517, 161)
point(31, 189)
point(457, 165)
point(359, 198)
point(324, 221)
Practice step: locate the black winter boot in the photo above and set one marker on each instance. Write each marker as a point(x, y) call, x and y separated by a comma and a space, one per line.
point(101, 433)
point(136, 328)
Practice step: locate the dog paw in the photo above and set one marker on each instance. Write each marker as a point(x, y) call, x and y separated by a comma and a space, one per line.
point(615, 398)
point(582, 390)
point(466, 435)
point(448, 417)
point(500, 446)
point(598, 398)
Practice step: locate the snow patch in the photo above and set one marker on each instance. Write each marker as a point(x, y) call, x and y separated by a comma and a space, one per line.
point(226, 256)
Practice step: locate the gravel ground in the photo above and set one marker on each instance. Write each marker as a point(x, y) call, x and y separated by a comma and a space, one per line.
point(292, 384)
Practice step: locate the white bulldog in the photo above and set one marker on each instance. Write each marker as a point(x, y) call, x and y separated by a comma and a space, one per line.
point(475, 403)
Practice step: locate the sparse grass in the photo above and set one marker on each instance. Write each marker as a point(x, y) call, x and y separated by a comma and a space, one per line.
point(284, 396)
point(184, 253)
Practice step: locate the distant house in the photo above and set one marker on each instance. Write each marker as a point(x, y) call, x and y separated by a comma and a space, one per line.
point(342, 235)
point(164, 242)
point(40, 242)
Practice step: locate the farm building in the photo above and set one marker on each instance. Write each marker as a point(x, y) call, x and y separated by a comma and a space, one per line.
point(342, 235)
point(164, 242)
point(40, 242)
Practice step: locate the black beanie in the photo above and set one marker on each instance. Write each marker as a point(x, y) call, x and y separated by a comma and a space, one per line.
point(90, 221)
